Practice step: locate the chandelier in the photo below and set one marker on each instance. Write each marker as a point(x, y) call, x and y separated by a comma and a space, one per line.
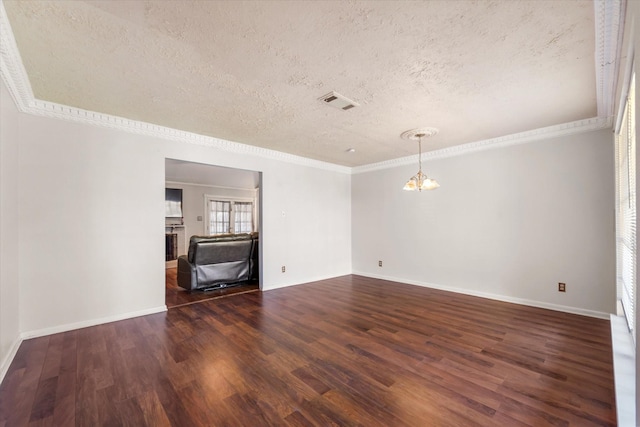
point(420, 181)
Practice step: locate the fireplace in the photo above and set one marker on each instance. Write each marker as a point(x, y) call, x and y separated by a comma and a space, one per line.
point(176, 243)
point(171, 246)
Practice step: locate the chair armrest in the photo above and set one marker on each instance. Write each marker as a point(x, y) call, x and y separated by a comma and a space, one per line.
point(186, 273)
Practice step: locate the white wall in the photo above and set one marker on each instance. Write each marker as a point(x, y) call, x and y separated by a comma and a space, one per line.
point(509, 222)
point(91, 233)
point(92, 221)
point(193, 203)
point(9, 279)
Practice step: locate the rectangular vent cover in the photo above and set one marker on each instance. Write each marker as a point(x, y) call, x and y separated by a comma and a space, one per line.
point(338, 101)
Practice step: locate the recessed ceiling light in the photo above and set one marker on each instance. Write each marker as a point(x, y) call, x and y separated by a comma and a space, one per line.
point(351, 150)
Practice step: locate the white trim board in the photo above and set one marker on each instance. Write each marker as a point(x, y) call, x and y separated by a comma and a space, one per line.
point(503, 298)
point(609, 23)
point(4, 368)
point(91, 322)
point(306, 282)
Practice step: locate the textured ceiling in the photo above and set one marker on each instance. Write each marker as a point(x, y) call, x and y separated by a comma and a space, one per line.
point(251, 72)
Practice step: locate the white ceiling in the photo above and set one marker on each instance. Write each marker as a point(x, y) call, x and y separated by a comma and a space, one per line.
point(198, 173)
point(251, 71)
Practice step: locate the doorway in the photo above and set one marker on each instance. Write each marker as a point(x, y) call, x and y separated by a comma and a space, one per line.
point(202, 193)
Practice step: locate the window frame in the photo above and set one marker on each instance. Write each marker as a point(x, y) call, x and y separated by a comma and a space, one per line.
point(232, 201)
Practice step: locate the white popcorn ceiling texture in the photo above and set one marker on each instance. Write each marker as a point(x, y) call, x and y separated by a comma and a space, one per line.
point(251, 71)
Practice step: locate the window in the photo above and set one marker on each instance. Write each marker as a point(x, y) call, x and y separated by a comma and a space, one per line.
point(219, 214)
point(243, 217)
point(626, 250)
point(229, 216)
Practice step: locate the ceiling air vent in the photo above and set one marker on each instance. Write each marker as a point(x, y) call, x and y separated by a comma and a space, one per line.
point(336, 100)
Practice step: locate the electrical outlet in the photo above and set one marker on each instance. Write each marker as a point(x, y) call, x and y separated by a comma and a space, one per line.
point(284, 268)
point(562, 287)
point(379, 263)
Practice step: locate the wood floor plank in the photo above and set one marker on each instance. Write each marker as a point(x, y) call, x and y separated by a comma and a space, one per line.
point(64, 412)
point(348, 351)
point(45, 399)
point(296, 419)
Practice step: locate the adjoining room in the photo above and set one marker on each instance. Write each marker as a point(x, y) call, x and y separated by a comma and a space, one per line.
point(215, 209)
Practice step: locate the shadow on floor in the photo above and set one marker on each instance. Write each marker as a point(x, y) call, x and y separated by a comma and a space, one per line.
point(177, 296)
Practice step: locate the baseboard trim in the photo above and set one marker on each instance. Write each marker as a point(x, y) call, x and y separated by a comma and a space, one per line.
point(4, 368)
point(311, 280)
point(504, 298)
point(93, 322)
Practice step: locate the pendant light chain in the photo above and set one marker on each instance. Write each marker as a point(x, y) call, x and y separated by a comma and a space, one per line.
point(420, 153)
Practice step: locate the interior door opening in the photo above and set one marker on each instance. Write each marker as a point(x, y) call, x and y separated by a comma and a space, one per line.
point(213, 244)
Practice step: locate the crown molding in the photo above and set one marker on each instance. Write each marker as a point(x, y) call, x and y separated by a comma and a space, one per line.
point(63, 112)
point(609, 20)
point(16, 80)
point(564, 129)
point(609, 17)
point(53, 110)
point(12, 69)
point(627, 74)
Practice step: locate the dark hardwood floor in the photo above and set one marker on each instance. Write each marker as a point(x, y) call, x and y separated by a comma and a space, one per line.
point(349, 351)
point(175, 296)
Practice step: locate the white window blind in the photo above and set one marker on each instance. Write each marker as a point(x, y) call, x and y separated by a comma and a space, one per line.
point(229, 216)
point(243, 221)
point(626, 209)
point(219, 214)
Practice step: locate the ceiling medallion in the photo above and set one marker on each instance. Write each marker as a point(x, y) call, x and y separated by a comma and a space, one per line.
point(416, 134)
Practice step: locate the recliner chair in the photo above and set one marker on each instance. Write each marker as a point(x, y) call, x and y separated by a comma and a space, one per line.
point(218, 261)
